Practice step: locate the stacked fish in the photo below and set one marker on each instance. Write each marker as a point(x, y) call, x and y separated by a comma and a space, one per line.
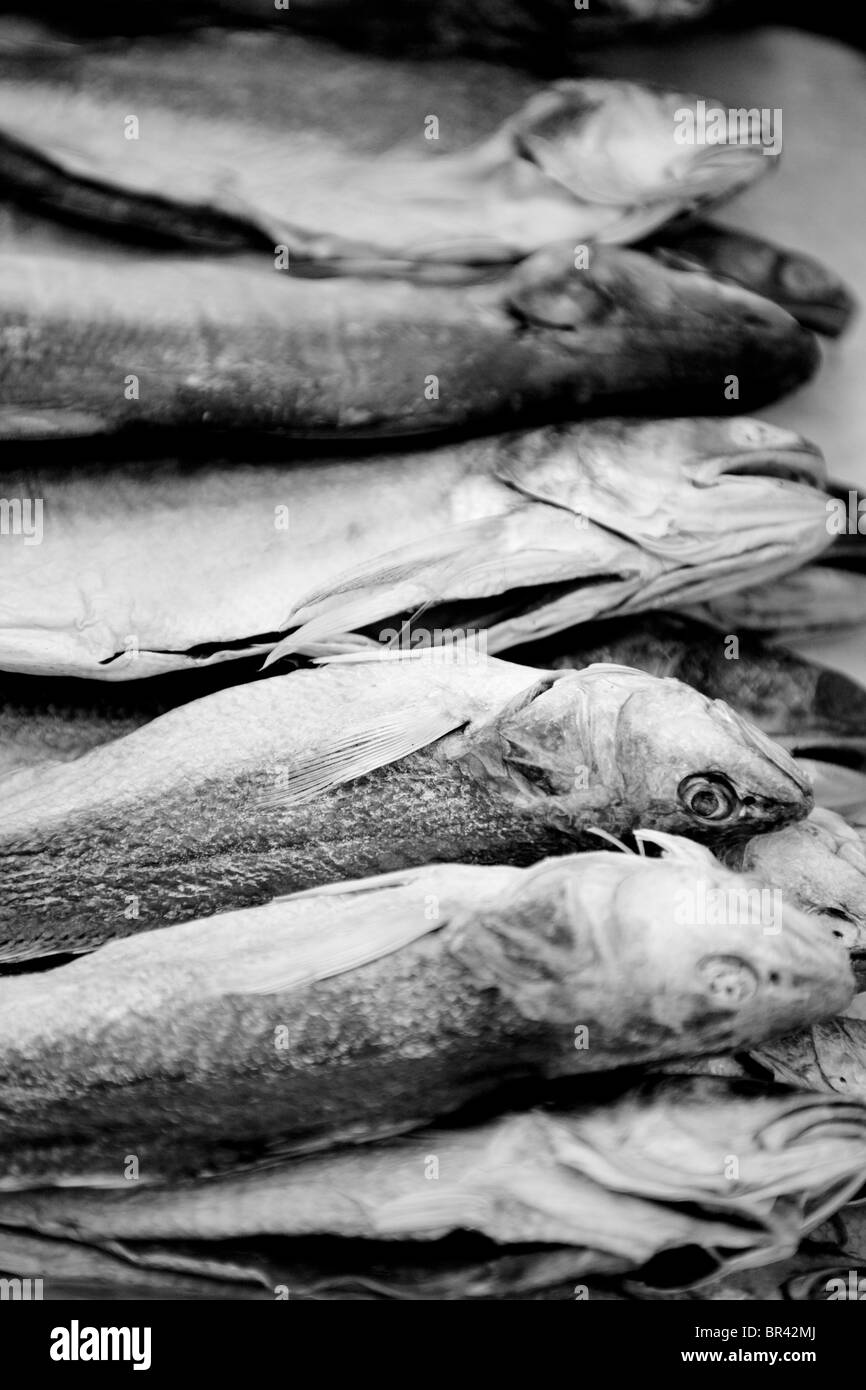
point(381, 789)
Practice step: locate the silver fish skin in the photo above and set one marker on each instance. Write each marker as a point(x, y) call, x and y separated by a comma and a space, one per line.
point(437, 985)
point(679, 489)
point(367, 765)
point(222, 161)
point(607, 1180)
point(224, 556)
point(239, 348)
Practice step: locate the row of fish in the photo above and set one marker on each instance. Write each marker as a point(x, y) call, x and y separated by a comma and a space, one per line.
point(292, 871)
point(484, 280)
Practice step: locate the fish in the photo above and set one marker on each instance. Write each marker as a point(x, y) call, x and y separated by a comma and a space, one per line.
point(810, 601)
point(838, 782)
point(826, 1056)
point(820, 865)
point(799, 703)
point(138, 342)
point(226, 558)
point(364, 765)
point(827, 594)
point(191, 138)
point(812, 293)
point(639, 1183)
point(664, 485)
point(535, 35)
point(438, 984)
point(57, 720)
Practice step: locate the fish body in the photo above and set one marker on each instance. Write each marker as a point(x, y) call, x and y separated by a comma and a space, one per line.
point(225, 557)
point(799, 703)
point(217, 155)
point(808, 290)
point(665, 485)
point(364, 767)
point(606, 1180)
point(375, 1006)
point(94, 346)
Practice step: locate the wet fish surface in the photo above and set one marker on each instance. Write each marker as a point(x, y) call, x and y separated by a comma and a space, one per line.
point(225, 557)
point(605, 1180)
point(364, 767)
point(374, 1006)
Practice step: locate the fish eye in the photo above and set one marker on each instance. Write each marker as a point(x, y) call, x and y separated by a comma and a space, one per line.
point(708, 797)
point(728, 979)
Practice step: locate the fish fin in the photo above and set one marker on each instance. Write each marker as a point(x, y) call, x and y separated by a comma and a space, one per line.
point(395, 878)
point(497, 750)
point(612, 839)
point(677, 847)
point(362, 749)
point(49, 422)
point(38, 951)
point(393, 582)
point(367, 924)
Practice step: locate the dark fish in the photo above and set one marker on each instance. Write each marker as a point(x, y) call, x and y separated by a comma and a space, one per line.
point(437, 985)
point(90, 346)
point(362, 767)
point(536, 33)
point(808, 290)
point(797, 702)
point(628, 1185)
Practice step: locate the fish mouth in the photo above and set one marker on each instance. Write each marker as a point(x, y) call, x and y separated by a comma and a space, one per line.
point(831, 317)
point(858, 966)
point(802, 462)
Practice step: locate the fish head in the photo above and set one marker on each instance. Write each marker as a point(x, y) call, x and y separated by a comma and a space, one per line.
point(820, 863)
point(680, 488)
point(625, 301)
point(797, 1154)
point(668, 957)
point(698, 767)
point(636, 750)
point(810, 291)
point(625, 146)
